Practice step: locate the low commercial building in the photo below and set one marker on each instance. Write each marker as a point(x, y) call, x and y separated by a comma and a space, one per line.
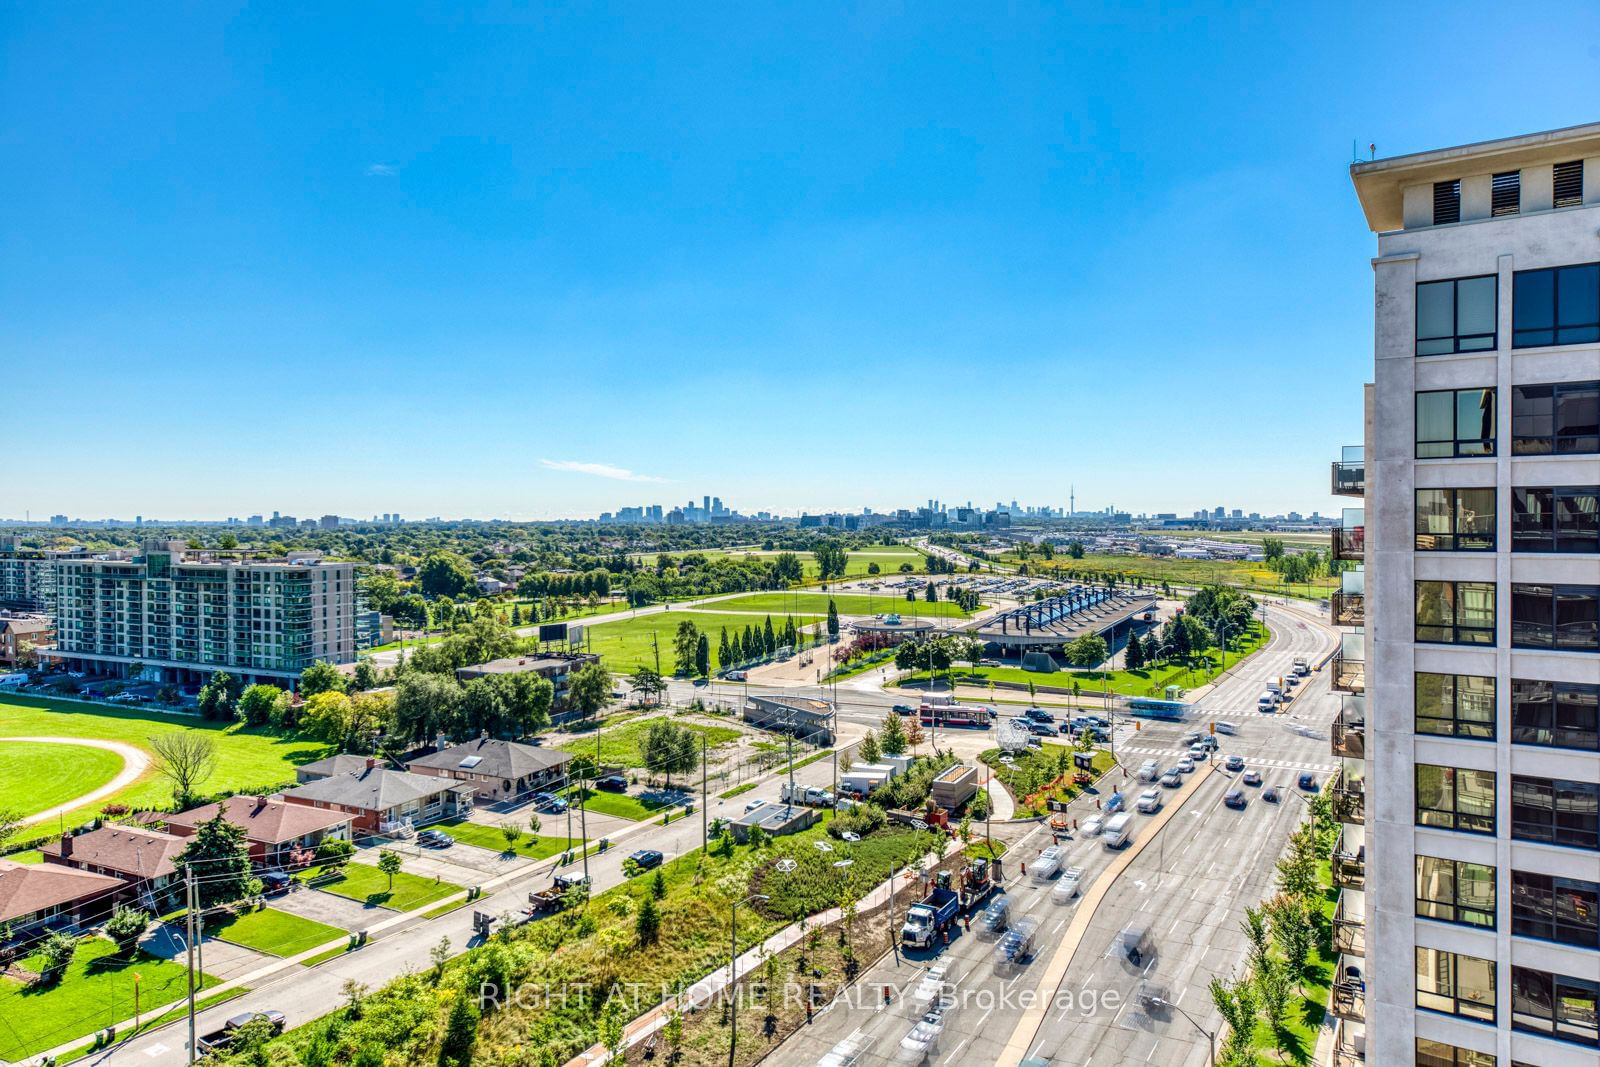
point(807, 718)
point(497, 770)
point(556, 666)
point(141, 857)
point(34, 895)
point(279, 834)
point(384, 801)
point(954, 786)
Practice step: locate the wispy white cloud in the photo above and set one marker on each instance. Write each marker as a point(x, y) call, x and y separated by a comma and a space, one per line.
point(599, 470)
point(382, 170)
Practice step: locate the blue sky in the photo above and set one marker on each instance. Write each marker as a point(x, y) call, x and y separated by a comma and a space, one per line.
point(344, 258)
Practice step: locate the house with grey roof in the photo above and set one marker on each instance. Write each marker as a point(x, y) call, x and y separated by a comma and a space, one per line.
point(497, 770)
point(384, 801)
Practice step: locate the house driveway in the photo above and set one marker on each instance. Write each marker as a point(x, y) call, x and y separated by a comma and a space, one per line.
point(338, 911)
point(219, 959)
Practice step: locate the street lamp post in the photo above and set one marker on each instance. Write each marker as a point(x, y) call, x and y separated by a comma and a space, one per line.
point(1210, 1035)
point(733, 973)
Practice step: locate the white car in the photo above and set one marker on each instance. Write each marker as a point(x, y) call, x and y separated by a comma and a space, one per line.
point(1150, 801)
point(754, 804)
point(1186, 766)
point(1092, 826)
point(1067, 885)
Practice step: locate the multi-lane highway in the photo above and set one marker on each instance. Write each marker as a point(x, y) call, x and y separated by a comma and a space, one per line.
point(1191, 871)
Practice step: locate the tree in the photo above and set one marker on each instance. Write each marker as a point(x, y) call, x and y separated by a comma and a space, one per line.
point(185, 758)
point(870, 751)
point(126, 926)
point(648, 682)
point(931, 593)
point(1088, 650)
point(327, 718)
point(725, 655)
point(217, 697)
point(589, 689)
point(460, 1033)
point(425, 705)
point(1274, 987)
point(831, 560)
point(1236, 1003)
point(389, 864)
point(613, 1026)
point(769, 639)
point(914, 734)
point(9, 822)
point(702, 657)
point(684, 644)
point(669, 748)
point(672, 1032)
point(833, 620)
point(366, 677)
point(54, 953)
point(893, 734)
point(512, 833)
point(647, 923)
point(787, 570)
point(261, 704)
point(658, 885)
point(444, 574)
point(1133, 658)
point(321, 677)
point(219, 855)
point(1075, 549)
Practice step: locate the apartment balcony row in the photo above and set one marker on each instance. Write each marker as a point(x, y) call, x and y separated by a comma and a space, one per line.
point(1349, 609)
point(1348, 799)
point(1350, 472)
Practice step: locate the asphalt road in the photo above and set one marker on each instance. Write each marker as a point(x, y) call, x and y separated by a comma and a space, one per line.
point(1191, 882)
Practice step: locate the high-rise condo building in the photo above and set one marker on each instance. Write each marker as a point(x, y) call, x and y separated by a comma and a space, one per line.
point(1469, 867)
point(184, 614)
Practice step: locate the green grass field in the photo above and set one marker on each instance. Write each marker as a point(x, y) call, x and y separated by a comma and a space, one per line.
point(95, 991)
point(858, 564)
point(624, 646)
point(277, 933)
point(246, 757)
point(574, 615)
point(620, 745)
point(1252, 577)
point(358, 881)
point(622, 805)
point(40, 776)
point(848, 604)
point(31, 855)
point(490, 837)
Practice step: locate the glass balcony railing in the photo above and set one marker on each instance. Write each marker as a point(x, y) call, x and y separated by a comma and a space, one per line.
point(1350, 472)
point(1349, 802)
point(1349, 1043)
point(1349, 863)
point(1349, 999)
point(1348, 542)
point(1349, 609)
point(1348, 672)
point(1350, 923)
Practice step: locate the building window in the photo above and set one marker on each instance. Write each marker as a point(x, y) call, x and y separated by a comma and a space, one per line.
point(1455, 984)
point(1555, 714)
point(1455, 613)
point(1555, 1005)
point(1555, 811)
point(1562, 617)
point(1453, 798)
point(1556, 306)
point(1455, 705)
point(1505, 193)
point(1555, 909)
point(1455, 520)
point(1446, 202)
point(1456, 315)
point(1568, 184)
point(1455, 422)
point(1439, 1054)
point(1559, 519)
point(1453, 891)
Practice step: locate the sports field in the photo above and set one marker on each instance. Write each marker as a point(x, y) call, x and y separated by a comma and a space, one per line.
point(624, 646)
point(39, 776)
point(849, 604)
point(245, 757)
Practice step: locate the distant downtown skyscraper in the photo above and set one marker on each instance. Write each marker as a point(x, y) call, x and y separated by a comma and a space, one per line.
point(1469, 866)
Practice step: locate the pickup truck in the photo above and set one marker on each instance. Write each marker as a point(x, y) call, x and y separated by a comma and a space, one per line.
point(222, 1038)
point(928, 916)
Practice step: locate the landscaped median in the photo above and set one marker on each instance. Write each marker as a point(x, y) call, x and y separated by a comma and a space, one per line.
point(1040, 775)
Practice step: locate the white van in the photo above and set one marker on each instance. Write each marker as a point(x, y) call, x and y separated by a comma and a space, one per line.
point(1149, 771)
point(1044, 868)
point(1118, 831)
point(1267, 702)
point(1225, 727)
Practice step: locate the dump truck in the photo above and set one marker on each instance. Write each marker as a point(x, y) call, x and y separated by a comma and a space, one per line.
point(951, 895)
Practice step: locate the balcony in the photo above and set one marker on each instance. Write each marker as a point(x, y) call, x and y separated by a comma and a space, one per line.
point(1348, 542)
point(1350, 924)
point(1349, 864)
point(1349, 999)
point(1349, 609)
point(1350, 472)
point(1347, 673)
point(1349, 1044)
point(1349, 732)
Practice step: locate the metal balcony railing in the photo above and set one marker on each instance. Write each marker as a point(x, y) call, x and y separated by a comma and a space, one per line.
point(1349, 999)
point(1350, 925)
point(1349, 609)
point(1347, 674)
point(1349, 1044)
point(1349, 865)
point(1349, 803)
point(1349, 733)
point(1350, 472)
point(1348, 542)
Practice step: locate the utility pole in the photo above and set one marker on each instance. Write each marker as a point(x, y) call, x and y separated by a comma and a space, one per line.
point(188, 930)
point(705, 817)
point(583, 829)
point(655, 647)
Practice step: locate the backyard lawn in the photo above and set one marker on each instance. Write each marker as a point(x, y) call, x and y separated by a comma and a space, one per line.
point(530, 847)
point(624, 805)
point(359, 881)
point(95, 991)
point(277, 933)
point(852, 604)
point(247, 758)
point(40, 775)
point(625, 645)
point(31, 855)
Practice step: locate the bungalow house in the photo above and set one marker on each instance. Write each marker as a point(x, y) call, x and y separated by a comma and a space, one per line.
point(141, 857)
point(498, 770)
point(36, 894)
point(384, 801)
point(343, 763)
point(275, 829)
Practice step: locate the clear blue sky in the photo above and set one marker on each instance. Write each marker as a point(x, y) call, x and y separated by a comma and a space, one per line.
point(335, 258)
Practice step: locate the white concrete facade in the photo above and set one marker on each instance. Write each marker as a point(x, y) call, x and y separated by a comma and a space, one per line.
point(1402, 192)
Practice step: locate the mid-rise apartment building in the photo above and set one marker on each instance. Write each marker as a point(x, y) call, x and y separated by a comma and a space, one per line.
point(1470, 736)
point(183, 615)
point(28, 575)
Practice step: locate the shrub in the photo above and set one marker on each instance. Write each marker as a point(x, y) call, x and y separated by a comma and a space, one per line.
point(55, 952)
point(126, 926)
point(334, 851)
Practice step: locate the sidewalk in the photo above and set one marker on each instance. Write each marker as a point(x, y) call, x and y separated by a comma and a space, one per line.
point(706, 990)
